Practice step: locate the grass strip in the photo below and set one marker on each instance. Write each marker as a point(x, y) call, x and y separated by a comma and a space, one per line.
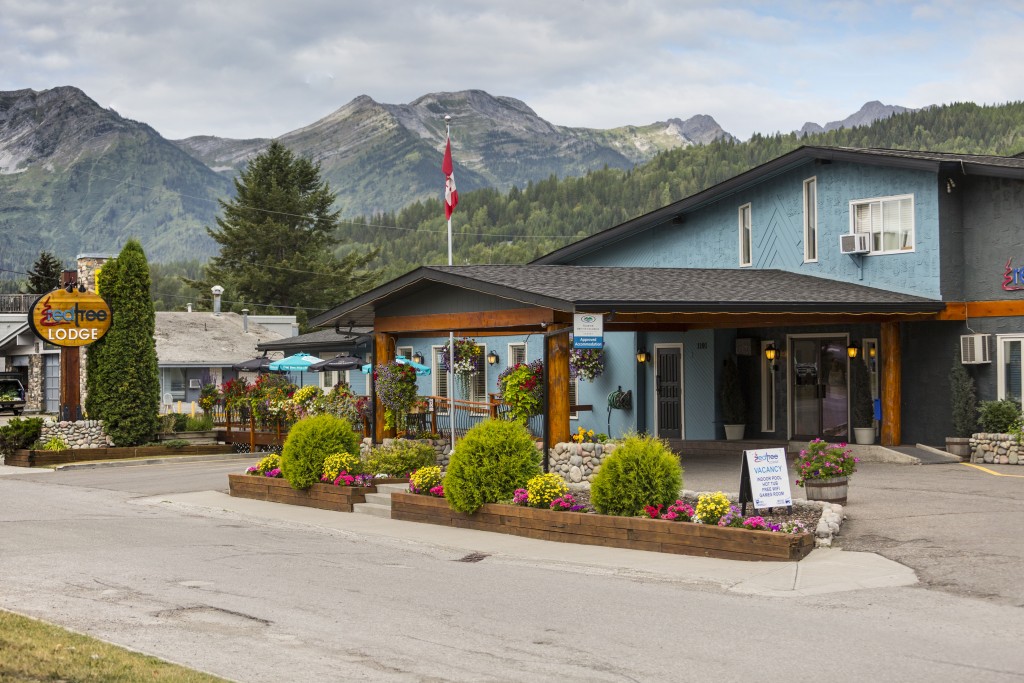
point(33, 651)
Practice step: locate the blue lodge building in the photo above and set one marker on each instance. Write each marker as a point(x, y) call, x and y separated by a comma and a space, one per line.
point(913, 259)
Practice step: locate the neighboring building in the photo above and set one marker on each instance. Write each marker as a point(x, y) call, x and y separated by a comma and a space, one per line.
point(327, 344)
point(192, 348)
point(906, 256)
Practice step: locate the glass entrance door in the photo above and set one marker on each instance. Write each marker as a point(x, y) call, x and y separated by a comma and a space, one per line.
point(819, 390)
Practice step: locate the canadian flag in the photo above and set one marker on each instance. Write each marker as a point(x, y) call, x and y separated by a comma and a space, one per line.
point(451, 195)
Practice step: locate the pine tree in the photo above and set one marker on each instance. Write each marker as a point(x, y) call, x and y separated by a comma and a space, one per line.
point(45, 274)
point(124, 380)
point(278, 241)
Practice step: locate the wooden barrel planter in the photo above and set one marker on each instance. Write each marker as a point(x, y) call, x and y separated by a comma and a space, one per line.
point(827, 490)
point(277, 490)
point(635, 533)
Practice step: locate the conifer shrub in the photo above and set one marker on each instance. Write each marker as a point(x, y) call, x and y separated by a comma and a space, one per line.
point(493, 460)
point(400, 457)
point(641, 471)
point(20, 433)
point(309, 443)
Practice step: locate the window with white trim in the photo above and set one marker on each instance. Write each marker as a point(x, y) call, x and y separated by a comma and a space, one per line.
point(810, 220)
point(516, 354)
point(745, 235)
point(478, 383)
point(330, 378)
point(1009, 350)
point(888, 220)
point(574, 386)
point(404, 351)
point(439, 377)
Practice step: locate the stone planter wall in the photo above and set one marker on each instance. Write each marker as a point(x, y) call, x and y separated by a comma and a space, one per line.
point(996, 449)
point(635, 533)
point(578, 462)
point(442, 449)
point(77, 434)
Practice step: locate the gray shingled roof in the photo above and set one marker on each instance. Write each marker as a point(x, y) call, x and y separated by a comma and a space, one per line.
point(319, 339)
point(575, 288)
point(202, 339)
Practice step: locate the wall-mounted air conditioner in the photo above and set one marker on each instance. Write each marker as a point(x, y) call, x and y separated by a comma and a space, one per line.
point(974, 349)
point(194, 384)
point(855, 243)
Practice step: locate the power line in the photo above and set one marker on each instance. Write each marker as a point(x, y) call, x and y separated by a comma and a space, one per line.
point(340, 220)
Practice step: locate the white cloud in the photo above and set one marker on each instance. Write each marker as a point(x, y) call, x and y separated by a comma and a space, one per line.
point(247, 68)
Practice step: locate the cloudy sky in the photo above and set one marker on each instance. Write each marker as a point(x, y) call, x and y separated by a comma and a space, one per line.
point(261, 68)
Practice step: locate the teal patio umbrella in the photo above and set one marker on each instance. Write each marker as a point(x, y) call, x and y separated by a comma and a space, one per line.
point(300, 363)
point(418, 367)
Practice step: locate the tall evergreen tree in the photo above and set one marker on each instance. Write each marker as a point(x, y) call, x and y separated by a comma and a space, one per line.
point(278, 241)
point(45, 274)
point(96, 366)
point(125, 376)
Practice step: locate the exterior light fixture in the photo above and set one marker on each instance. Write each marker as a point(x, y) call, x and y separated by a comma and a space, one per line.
point(417, 358)
point(872, 352)
point(492, 358)
point(641, 356)
point(853, 350)
point(771, 353)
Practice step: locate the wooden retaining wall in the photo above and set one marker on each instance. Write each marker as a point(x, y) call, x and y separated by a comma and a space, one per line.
point(275, 490)
point(29, 458)
point(634, 533)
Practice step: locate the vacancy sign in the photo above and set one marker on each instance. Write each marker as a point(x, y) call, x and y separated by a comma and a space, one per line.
point(769, 478)
point(587, 331)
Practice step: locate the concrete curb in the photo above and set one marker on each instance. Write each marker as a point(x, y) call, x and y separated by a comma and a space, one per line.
point(939, 452)
point(884, 455)
point(216, 457)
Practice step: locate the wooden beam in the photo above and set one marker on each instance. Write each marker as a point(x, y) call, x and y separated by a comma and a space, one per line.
point(384, 352)
point(70, 382)
point(892, 370)
point(475, 320)
point(961, 310)
point(557, 377)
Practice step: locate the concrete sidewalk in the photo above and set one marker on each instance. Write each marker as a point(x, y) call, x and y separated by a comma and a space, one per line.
point(823, 571)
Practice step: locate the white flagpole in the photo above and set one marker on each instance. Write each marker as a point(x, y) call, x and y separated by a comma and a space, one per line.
point(451, 333)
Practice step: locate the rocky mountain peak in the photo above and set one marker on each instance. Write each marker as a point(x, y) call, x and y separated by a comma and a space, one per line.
point(868, 113)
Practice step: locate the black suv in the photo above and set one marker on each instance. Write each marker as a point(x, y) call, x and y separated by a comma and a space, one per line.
point(12, 393)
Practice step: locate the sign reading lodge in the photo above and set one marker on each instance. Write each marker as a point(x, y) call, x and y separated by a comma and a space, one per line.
point(70, 318)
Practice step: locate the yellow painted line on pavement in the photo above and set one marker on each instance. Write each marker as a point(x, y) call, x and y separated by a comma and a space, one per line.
point(994, 474)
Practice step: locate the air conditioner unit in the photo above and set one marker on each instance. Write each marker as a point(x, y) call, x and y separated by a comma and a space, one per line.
point(855, 243)
point(974, 349)
point(194, 384)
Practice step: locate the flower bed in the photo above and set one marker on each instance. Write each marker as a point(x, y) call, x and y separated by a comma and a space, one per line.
point(33, 458)
point(277, 490)
point(635, 533)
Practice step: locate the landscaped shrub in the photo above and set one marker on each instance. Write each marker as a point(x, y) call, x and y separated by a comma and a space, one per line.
point(399, 458)
point(641, 472)
point(425, 479)
point(336, 463)
point(998, 416)
point(309, 442)
point(270, 462)
point(198, 424)
point(544, 488)
point(489, 463)
point(712, 507)
point(20, 433)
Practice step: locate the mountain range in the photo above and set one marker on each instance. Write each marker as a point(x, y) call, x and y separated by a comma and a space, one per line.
point(78, 178)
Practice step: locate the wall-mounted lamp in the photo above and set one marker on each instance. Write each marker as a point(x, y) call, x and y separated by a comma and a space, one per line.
point(492, 358)
point(872, 352)
point(417, 358)
point(641, 356)
point(770, 354)
point(853, 350)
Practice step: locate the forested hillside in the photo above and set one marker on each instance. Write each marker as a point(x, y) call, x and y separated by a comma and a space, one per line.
point(517, 226)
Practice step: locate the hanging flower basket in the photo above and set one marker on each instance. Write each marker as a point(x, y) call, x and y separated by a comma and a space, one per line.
point(468, 362)
point(586, 364)
point(395, 385)
point(522, 388)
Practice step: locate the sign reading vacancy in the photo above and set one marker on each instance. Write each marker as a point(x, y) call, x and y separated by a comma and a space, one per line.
point(764, 480)
point(70, 318)
point(587, 331)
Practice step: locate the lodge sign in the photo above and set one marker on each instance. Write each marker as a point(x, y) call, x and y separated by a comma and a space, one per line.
point(72, 318)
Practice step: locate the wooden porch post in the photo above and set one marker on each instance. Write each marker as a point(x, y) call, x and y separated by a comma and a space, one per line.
point(384, 352)
point(892, 370)
point(557, 377)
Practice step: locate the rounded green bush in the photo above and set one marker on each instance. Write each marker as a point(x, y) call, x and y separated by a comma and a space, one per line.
point(400, 457)
point(309, 442)
point(641, 471)
point(493, 460)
